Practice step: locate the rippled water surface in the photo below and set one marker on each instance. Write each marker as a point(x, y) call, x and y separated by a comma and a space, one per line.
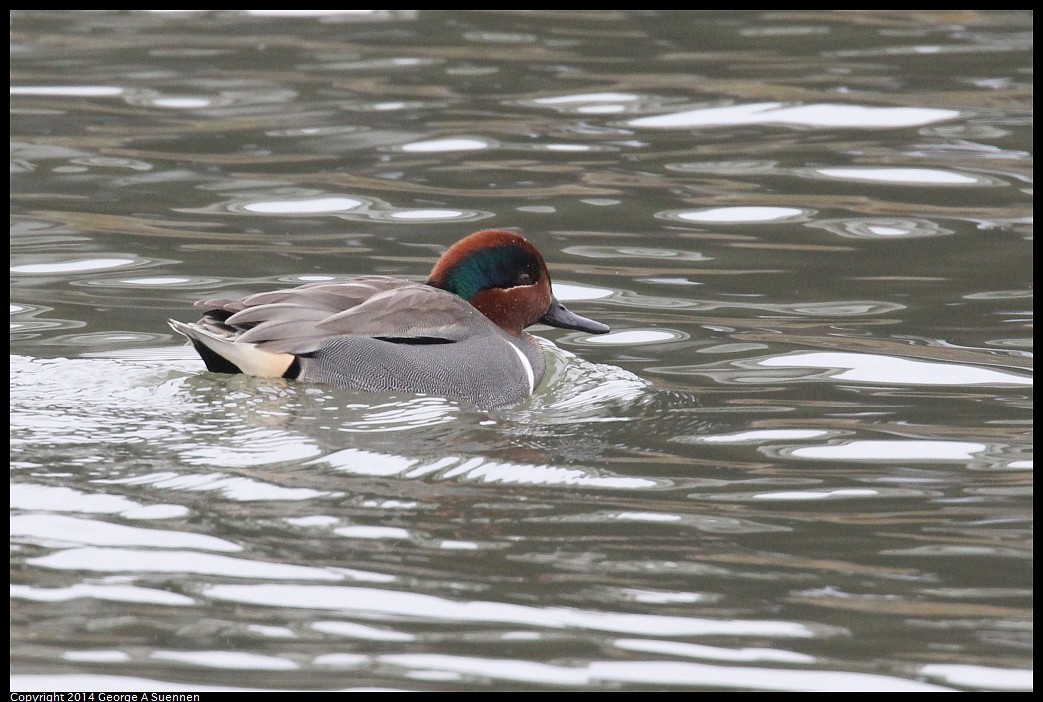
point(802, 460)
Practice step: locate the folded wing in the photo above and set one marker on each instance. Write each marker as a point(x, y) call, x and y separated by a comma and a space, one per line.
point(301, 320)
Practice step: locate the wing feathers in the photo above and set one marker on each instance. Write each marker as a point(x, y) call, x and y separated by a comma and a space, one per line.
point(299, 320)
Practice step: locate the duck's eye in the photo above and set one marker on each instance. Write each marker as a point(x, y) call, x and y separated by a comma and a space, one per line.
point(523, 279)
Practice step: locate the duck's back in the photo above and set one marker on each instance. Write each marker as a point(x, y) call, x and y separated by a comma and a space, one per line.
point(372, 333)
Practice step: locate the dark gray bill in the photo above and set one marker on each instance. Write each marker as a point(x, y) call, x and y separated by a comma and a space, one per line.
point(558, 316)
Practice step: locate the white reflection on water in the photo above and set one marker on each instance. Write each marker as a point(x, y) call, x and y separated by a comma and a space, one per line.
point(567, 147)
point(182, 103)
point(80, 266)
point(568, 292)
point(404, 415)
point(342, 660)
point(272, 632)
point(898, 176)
point(658, 673)
point(123, 560)
point(427, 214)
point(981, 676)
point(154, 282)
point(632, 337)
point(758, 435)
point(115, 592)
point(74, 530)
point(112, 162)
point(495, 668)
point(881, 227)
point(444, 145)
point(645, 517)
point(454, 545)
point(665, 598)
point(359, 462)
point(751, 497)
point(372, 532)
point(230, 487)
point(894, 451)
point(61, 499)
point(67, 90)
point(737, 215)
point(286, 202)
point(234, 660)
point(412, 604)
point(351, 630)
point(96, 656)
point(746, 677)
point(248, 448)
point(816, 115)
point(375, 64)
point(595, 103)
point(400, 14)
point(851, 367)
point(315, 520)
point(799, 495)
point(689, 650)
point(631, 252)
point(317, 205)
point(395, 214)
point(873, 368)
point(587, 98)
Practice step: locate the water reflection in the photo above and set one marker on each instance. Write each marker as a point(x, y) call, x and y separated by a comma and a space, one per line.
point(67, 90)
point(473, 470)
point(447, 145)
point(408, 604)
point(737, 215)
point(599, 103)
point(801, 460)
point(74, 530)
point(350, 208)
point(824, 115)
point(75, 266)
point(881, 227)
point(882, 369)
point(901, 176)
point(857, 367)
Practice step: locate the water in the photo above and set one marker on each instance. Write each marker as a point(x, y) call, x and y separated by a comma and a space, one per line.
point(801, 461)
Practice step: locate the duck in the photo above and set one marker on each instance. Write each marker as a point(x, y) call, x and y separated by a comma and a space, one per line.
point(459, 335)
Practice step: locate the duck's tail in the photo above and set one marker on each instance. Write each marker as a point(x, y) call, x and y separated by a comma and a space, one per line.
point(222, 353)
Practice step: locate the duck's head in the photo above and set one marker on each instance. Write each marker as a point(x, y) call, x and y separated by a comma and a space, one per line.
point(503, 276)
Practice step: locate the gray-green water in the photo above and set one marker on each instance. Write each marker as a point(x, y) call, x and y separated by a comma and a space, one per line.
point(801, 461)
